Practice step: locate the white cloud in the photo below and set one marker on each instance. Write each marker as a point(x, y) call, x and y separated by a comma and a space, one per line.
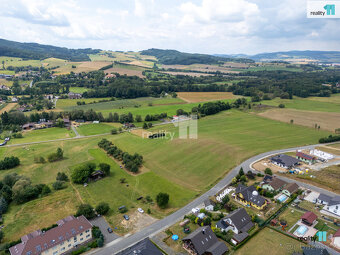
point(139, 9)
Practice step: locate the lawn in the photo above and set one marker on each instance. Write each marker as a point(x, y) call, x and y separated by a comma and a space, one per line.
point(65, 103)
point(308, 104)
point(269, 241)
point(290, 215)
point(78, 89)
point(94, 129)
point(39, 213)
point(43, 135)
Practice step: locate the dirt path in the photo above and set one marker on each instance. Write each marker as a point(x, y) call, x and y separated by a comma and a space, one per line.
point(8, 107)
point(77, 193)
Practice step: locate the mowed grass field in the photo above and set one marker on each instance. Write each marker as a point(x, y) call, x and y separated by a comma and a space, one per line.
point(326, 120)
point(194, 97)
point(269, 241)
point(94, 129)
point(43, 135)
point(327, 104)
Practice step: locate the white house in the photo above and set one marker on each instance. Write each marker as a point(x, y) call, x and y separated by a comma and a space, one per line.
point(333, 206)
point(209, 205)
point(336, 239)
point(321, 154)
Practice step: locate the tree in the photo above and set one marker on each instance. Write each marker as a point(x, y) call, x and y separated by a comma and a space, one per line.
point(225, 200)
point(105, 168)
point(115, 117)
point(114, 131)
point(86, 210)
point(145, 126)
point(81, 174)
point(60, 123)
point(268, 171)
point(162, 200)
point(102, 208)
point(241, 172)
point(58, 185)
point(62, 177)
point(60, 153)
point(291, 121)
point(149, 125)
point(45, 190)
point(281, 106)
point(3, 205)
point(138, 118)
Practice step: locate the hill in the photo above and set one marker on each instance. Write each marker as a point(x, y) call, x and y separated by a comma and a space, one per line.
point(41, 51)
point(174, 57)
point(322, 56)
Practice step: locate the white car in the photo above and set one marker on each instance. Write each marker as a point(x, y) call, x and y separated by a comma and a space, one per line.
point(140, 210)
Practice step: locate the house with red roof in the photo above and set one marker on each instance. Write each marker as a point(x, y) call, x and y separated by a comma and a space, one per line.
point(66, 236)
point(309, 218)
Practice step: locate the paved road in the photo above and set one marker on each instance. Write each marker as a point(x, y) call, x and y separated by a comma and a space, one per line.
point(124, 242)
point(103, 225)
point(75, 131)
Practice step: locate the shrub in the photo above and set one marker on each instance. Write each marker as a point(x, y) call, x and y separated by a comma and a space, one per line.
point(268, 171)
point(102, 208)
point(39, 160)
point(281, 106)
point(86, 210)
point(56, 156)
point(162, 199)
point(58, 185)
point(9, 162)
point(105, 168)
point(62, 177)
point(45, 190)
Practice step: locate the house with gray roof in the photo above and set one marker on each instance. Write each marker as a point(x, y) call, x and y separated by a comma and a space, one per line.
point(323, 199)
point(144, 247)
point(333, 206)
point(238, 221)
point(275, 184)
point(284, 161)
point(209, 205)
point(250, 196)
point(204, 241)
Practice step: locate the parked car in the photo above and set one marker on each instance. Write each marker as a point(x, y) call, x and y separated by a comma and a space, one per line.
point(126, 217)
point(140, 210)
point(109, 230)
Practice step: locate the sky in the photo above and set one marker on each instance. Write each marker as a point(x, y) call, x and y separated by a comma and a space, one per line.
point(202, 26)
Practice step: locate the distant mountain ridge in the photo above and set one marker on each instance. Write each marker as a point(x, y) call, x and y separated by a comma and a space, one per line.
point(322, 56)
point(41, 51)
point(174, 57)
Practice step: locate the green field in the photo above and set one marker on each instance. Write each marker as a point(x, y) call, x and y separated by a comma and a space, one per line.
point(78, 89)
point(65, 103)
point(271, 242)
point(331, 104)
point(224, 140)
point(43, 135)
point(94, 129)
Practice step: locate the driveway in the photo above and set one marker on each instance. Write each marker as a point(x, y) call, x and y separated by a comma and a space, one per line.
point(103, 225)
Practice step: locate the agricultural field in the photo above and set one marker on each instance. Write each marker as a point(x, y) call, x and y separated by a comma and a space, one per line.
point(79, 67)
point(43, 135)
point(94, 129)
point(127, 69)
point(78, 89)
point(194, 97)
point(65, 103)
point(15, 62)
point(6, 82)
point(329, 104)
point(326, 120)
point(193, 74)
point(275, 244)
point(8, 107)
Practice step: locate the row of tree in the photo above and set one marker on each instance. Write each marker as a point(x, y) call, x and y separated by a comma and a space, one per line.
point(131, 162)
point(9, 162)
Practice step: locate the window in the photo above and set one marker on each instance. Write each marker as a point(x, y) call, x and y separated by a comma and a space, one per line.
point(88, 236)
point(28, 253)
point(62, 249)
point(55, 253)
point(81, 234)
point(81, 239)
point(87, 231)
point(69, 245)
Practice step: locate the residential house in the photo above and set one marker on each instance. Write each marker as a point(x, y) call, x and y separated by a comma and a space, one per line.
point(96, 175)
point(284, 161)
point(267, 178)
point(309, 159)
point(14, 99)
point(323, 199)
point(336, 239)
point(314, 251)
point(72, 95)
point(204, 241)
point(4, 87)
point(49, 97)
point(250, 196)
point(238, 238)
point(333, 206)
point(324, 156)
point(276, 184)
point(144, 247)
point(69, 234)
point(238, 221)
point(67, 122)
point(209, 205)
point(28, 126)
point(309, 218)
point(290, 189)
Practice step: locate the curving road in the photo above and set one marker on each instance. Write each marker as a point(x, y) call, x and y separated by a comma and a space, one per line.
point(127, 241)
